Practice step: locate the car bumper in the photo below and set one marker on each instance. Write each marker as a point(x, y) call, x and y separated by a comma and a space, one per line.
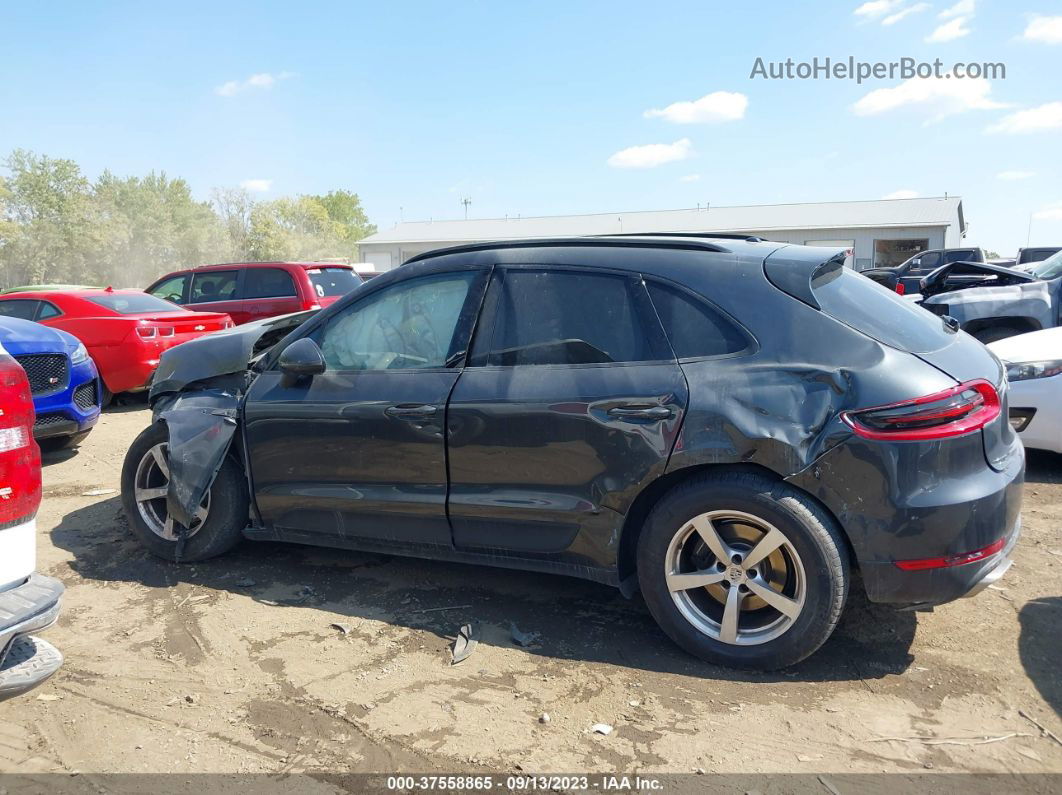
point(26, 661)
point(919, 504)
point(1039, 395)
point(75, 409)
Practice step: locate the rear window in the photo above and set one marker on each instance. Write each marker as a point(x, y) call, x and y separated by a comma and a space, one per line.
point(878, 312)
point(134, 303)
point(694, 328)
point(332, 281)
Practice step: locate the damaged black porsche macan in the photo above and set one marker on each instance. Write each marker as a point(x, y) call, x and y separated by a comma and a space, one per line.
point(731, 427)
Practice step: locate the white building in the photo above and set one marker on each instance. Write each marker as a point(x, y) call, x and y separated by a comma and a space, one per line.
point(882, 232)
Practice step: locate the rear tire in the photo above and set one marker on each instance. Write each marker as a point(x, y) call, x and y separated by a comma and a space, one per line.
point(226, 503)
point(994, 333)
point(773, 603)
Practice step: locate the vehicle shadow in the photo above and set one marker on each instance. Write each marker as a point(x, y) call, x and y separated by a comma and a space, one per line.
point(1042, 466)
point(572, 619)
point(1038, 647)
point(50, 457)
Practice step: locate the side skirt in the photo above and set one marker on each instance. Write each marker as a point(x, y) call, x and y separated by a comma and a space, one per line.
point(449, 554)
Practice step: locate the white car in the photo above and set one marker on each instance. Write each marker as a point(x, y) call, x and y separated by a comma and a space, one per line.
point(1034, 368)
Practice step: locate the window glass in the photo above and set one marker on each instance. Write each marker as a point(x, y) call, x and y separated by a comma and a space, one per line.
point(48, 310)
point(1049, 268)
point(879, 312)
point(267, 283)
point(563, 317)
point(26, 310)
point(134, 303)
point(171, 289)
point(213, 286)
point(333, 281)
point(407, 325)
point(925, 263)
point(694, 328)
point(961, 255)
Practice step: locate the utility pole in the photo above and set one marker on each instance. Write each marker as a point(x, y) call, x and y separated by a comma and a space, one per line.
point(466, 201)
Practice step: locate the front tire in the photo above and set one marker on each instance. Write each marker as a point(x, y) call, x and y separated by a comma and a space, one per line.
point(743, 571)
point(145, 475)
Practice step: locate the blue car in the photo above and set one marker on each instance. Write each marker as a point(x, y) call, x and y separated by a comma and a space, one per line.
point(63, 380)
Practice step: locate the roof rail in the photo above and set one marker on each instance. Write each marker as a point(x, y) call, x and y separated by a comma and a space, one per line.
point(717, 235)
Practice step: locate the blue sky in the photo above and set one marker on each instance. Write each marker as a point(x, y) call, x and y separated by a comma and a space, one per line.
point(521, 107)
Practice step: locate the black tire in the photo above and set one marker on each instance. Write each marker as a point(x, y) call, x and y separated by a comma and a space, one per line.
point(55, 443)
point(994, 333)
point(224, 525)
point(106, 396)
point(822, 557)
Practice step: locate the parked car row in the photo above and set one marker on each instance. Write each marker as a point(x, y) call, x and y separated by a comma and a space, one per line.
point(656, 413)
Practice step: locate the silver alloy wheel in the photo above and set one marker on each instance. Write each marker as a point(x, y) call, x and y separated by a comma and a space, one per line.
point(150, 485)
point(735, 577)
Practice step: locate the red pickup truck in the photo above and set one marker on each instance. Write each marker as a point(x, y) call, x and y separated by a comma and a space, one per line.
point(247, 291)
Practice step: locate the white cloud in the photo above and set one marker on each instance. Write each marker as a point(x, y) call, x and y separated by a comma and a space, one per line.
point(876, 8)
point(257, 185)
point(917, 8)
point(690, 178)
point(1047, 30)
point(651, 155)
point(949, 31)
point(1052, 212)
point(715, 107)
point(939, 96)
point(960, 9)
point(1014, 175)
point(262, 80)
point(902, 194)
point(1039, 119)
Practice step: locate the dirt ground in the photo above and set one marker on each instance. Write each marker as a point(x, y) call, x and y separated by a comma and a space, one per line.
point(282, 658)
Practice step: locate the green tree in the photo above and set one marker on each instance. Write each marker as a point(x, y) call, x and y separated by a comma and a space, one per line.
point(49, 202)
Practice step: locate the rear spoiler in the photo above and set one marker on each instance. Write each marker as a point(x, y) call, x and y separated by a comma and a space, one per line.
point(795, 270)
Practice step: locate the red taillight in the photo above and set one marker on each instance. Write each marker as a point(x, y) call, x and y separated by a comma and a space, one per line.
point(20, 458)
point(165, 331)
point(962, 409)
point(147, 332)
point(900, 289)
point(952, 560)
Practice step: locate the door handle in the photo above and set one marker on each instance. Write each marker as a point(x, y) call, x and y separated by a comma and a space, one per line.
point(414, 411)
point(641, 412)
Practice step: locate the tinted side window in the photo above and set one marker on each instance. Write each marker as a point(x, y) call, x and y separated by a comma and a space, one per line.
point(19, 308)
point(410, 324)
point(962, 255)
point(213, 286)
point(267, 283)
point(694, 328)
point(926, 262)
point(563, 317)
point(48, 310)
point(170, 289)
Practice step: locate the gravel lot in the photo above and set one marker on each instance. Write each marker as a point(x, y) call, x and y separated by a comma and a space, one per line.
point(237, 665)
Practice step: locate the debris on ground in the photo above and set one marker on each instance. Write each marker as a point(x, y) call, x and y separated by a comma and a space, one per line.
point(544, 718)
point(344, 628)
point(1044, 731)
point(601, 728)
point(524, 639)
point(98, 492)
point(464, 644)
point(48, 697)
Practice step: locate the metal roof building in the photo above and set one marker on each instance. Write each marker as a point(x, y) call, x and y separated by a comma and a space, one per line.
point(881, 232)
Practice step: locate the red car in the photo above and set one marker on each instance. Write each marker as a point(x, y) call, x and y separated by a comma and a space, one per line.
point(249, 291)
point(125, 331)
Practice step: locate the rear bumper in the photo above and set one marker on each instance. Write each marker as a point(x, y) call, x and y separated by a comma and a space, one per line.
point(915, 590)
point(26, 661)
point(918, 502)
